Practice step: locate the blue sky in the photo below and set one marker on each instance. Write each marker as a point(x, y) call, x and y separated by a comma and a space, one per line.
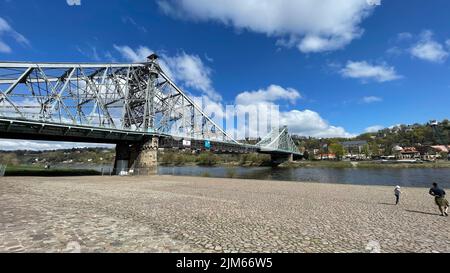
point(336, 67)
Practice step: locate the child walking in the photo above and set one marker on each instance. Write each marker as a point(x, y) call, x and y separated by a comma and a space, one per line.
point(397, 193)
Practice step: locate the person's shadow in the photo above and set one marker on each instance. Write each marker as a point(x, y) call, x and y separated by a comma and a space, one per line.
point(421, 212)
point(388, 204)
point(408, 210)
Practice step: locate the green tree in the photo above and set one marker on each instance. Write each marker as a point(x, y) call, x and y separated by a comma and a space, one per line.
point(207, 159)
point(9, 159)
point(374, 149)
point(306, 155)
point(337, 149)
point(366, 150)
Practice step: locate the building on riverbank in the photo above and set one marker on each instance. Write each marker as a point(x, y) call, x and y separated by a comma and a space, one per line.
point(355, 150)
point(407, 153)
point(422, 152)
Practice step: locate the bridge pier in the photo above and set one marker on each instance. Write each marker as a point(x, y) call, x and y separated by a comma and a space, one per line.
point(122, 160)
point(145, 157)
point(277, 159)
point(142, 158)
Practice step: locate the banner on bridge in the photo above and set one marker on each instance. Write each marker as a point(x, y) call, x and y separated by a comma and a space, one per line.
point(186, 142)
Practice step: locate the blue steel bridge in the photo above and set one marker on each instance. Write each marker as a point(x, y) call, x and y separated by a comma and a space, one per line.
point(135, 106)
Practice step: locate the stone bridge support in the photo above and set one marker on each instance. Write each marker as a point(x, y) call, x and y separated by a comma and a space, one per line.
point(121, 163)
point(138, 158)
point(277, 159)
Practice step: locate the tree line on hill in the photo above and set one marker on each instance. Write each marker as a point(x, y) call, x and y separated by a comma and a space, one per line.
point(383, 141)
point(74, 155)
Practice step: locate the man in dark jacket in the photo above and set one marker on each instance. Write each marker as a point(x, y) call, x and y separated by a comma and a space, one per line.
point(439, 198)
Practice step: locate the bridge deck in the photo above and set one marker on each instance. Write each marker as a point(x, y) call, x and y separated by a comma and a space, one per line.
point(23, 129)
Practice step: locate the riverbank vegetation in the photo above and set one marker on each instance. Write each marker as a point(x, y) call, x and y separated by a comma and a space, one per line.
point(53, 157)
point(35, 162)
point(171, 158)
point(41, 171)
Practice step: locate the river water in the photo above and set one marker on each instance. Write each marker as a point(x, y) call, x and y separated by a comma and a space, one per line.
point(412, 177)
point(417, 177)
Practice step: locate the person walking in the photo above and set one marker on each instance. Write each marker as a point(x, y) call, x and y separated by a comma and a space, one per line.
point(397, 193)
point(439, 198)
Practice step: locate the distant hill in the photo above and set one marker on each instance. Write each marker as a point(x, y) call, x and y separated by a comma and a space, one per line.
point(75, 155)
point(410, 135)
point(382, 142)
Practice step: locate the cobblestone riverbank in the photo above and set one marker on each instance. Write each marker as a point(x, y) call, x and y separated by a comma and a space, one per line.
point(192, 214)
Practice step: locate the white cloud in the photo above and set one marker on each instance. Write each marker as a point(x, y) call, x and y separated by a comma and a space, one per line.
point(191, 70)
point(5, 31)
point(428, 49)
point(130, 20)
point(262, 106)
point(4, 48)
point(270, 94)
point(422, 46)
point(395, 126)
point(365, 71)
point(305, 123)
point(34, 145)
point(310, 123)
point(404, 36)
point(213, 109)
point(373, 129)
point(89, 52)
point(311, 25)
point(395, 51)
point(371, 99)
point(138, 55)
point(184, 68)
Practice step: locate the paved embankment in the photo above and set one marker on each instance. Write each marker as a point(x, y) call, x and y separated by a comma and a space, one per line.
point(191, 214)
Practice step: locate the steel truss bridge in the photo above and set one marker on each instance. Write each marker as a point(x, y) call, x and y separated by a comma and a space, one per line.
point(112, 103)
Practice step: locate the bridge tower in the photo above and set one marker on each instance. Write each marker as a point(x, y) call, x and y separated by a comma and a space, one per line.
point(141, 157)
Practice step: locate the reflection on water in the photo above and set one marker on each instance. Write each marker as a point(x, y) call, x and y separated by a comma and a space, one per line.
point(416, 177)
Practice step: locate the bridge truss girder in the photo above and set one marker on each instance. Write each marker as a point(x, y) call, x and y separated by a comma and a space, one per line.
point(133, 97)
point(132, 100)
point(278, 140)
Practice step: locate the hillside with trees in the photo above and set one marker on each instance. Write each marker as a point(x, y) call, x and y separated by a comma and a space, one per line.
point(382, 142)
point(51, 157)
